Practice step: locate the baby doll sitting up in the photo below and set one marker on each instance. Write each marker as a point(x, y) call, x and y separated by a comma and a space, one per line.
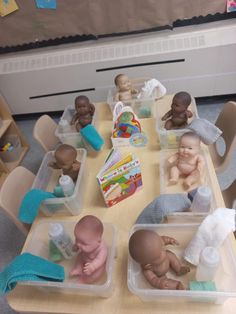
point(124, 88)
point(65, 159)
point(188, 161)
point(91, 260)
point(147, 248)
point(178, 114)
point(84, 112)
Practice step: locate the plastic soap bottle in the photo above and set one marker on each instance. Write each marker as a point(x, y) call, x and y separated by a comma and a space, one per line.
point(202, 200)
point(61, 239)
point(208, 264)
point(67, 185)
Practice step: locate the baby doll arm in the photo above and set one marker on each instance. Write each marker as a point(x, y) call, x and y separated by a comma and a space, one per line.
point(74, 119)
point(200, 163)
point(172, 159)
point(98, 261)
point(167, 115)
point(134, 91)
point(53, 165)
point(117, 96)
point(76, 166)
point(168, 240)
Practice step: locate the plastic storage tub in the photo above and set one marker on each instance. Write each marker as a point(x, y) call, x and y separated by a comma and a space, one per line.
point(72, 137)
point(170, 138)
point(47, 178)
point(166, 188)
point(14, 153)
point(224, 280)
point(37, 244)
point(142, 107)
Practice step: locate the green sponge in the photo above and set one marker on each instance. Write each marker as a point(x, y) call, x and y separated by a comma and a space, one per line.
point(202, 286)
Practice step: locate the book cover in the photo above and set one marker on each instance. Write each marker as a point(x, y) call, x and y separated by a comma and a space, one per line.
point(122, 180)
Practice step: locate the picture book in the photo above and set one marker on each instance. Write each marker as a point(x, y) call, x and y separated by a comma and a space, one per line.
point(120, 177)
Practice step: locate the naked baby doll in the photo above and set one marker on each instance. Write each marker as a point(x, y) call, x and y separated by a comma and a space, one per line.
point(124, 88)
point(84, 112)
point(65, 159)
point(147, 248)
point(177, 116)
point(91, 260)
point(188, 161)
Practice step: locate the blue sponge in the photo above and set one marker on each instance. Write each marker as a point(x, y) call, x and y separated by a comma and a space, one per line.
point(90, 134)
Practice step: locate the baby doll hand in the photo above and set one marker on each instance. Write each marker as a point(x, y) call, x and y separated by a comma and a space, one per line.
point(88, 269)
point(169, 240)
point(76, 166)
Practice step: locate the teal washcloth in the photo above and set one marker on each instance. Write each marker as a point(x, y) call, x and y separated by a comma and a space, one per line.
point(28, 267)
point(90, 134)
point(202, 286)
point(30, 204)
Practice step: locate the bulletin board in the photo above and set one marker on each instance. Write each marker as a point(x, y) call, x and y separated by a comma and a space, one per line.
point(76, 20)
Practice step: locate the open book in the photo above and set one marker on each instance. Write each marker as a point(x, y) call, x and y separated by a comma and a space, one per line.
point(120, 177)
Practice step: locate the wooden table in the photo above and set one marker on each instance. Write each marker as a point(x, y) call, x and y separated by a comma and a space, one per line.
point(123, 215)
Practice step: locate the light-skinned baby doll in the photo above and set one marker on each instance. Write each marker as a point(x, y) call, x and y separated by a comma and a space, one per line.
point(124, 88)
point(91, 261)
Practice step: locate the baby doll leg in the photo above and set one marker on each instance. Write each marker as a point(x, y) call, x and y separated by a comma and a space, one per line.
point(174, 175)
point(168, 284)
point(191, 179)
point(95, 276)
point(176, 265)
point(78, 268)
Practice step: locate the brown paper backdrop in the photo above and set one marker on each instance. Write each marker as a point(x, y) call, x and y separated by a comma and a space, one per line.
point(97, 17)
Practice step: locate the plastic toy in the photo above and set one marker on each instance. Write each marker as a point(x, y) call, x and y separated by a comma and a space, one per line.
point(84, 112)
point(65, 159)
point(147, 248)
point(188, 161)
point(91, 260)
point(126, 125)
point(124, 88)
point(177, 116)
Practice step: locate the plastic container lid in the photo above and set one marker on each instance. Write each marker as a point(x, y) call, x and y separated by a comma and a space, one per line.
point(204, 192)
point(55, 229)
point(210, 256)
point(65, 180)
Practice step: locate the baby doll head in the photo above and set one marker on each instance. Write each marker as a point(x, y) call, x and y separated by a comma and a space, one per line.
point(83, 106)
point(122, 82)
point(146, 247)
point(65, 156)
point(88, 233)
point(180, 102)
point(189, 145)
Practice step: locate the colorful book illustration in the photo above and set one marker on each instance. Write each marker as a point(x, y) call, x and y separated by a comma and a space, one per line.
point(121, 179)
point(7, 7)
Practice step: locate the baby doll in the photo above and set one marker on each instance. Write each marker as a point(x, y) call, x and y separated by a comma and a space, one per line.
point(91, 260)
point(124, 88)
point(65, 159)
point(147, 248)
point(84, 112)
point(187, 161)
point(178, 114)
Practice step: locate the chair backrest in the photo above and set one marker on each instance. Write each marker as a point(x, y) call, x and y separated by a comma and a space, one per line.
point(229, 195)
point(226, 121)
point(44, 132)
point(15, 186)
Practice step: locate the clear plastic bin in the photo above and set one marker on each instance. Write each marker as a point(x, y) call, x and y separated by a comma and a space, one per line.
point(142, 107)
point(72, 137)
point(47, 178)
point(37, 244)
point(166, 188)
point(14, 153)
point(170, 138)
point(183, 233)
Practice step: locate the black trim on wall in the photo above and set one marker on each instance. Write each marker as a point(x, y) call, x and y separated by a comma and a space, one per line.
point(63, 93)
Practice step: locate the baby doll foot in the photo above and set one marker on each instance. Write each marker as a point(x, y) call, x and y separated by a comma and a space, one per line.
point(183, 270)
point(180, 286)
point(173, 181)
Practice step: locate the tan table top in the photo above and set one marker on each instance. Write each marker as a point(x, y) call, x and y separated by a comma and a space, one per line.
point(123, 215)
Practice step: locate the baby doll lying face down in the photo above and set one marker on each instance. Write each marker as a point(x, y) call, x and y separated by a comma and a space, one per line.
point(178, 115)
point(188, 161)
point(91, 260)
point(147, 248)
point(65, 159)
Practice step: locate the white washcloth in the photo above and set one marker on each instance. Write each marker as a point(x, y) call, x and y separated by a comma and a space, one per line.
point(152, 88)
point(208, 132)
point(212, 232)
